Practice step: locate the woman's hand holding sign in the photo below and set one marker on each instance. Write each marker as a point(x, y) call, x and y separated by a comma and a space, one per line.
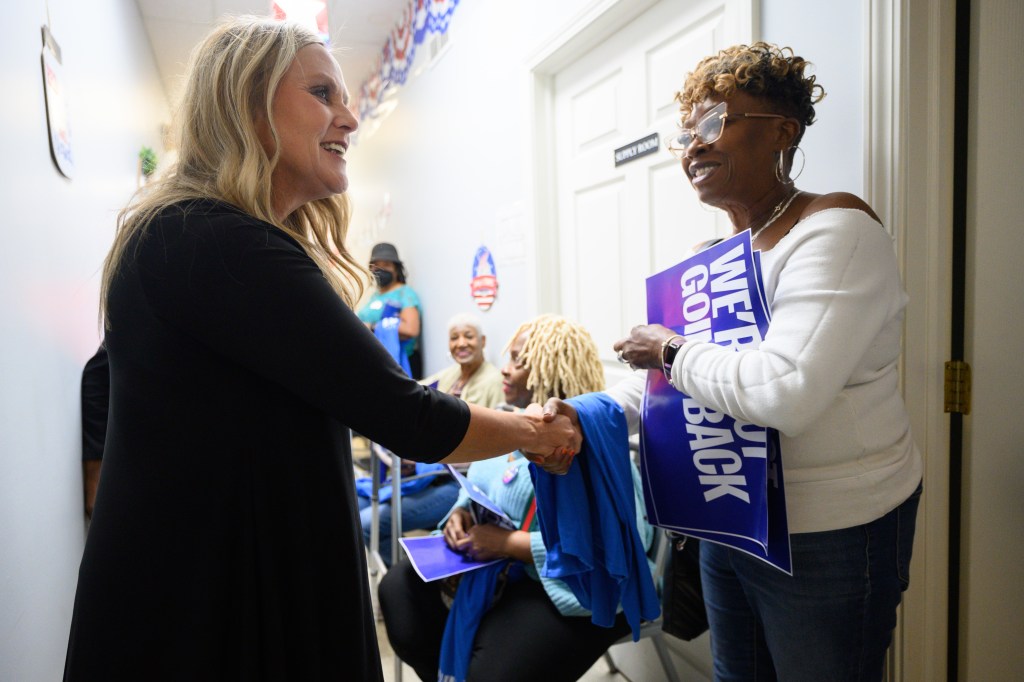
point(642, 349)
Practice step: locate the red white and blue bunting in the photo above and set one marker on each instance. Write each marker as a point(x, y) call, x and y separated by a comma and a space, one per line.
point(419, 19)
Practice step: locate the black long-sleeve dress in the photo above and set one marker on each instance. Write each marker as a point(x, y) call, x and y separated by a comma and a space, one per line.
point(225, 542)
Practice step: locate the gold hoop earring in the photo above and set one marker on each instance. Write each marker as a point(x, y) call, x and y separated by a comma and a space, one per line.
point(803, 162)
point(780, 169)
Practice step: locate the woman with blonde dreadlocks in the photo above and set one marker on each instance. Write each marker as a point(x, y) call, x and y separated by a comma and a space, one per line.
point(537, 629)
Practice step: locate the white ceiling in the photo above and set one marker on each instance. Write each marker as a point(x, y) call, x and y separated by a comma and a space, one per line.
point(358, 30)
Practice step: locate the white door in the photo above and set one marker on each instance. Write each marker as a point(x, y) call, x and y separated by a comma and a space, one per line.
point(618, 224)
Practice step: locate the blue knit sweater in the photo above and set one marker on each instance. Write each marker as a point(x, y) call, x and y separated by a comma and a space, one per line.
point(588, 521)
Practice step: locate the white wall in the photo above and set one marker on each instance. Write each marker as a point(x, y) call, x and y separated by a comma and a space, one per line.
point(454, 155)
point(831, 36)
point(55, 233)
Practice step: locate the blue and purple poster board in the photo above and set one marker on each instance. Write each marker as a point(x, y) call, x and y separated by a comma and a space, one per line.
point(706, 474)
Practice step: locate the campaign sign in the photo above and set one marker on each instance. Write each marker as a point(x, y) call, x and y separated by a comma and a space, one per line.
point(705, 473)
point(778, 549)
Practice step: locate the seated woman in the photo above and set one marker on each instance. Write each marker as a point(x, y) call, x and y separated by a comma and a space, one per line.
point(474, 380)
point(536, 629)
point(471, 378)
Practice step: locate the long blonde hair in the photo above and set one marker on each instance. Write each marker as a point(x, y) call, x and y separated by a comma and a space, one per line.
point(231, 78)
point(561, 356)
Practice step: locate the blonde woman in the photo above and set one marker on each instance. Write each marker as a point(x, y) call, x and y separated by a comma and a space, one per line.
point(225, 540)
point(537, 629)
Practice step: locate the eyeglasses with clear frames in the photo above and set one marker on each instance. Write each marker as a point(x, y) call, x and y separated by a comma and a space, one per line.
point(708, 129)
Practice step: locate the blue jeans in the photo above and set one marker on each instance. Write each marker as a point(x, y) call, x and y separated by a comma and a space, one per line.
point(424, 509)
point(831, 620)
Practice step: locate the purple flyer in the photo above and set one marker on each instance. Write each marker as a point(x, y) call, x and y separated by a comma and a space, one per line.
point(433, 559)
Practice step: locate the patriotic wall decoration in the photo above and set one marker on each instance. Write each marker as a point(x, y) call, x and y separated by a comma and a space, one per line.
point(57, 117)
point(419, 19)
point(484, 285)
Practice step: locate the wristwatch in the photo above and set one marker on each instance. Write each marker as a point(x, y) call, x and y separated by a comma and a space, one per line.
point(669, 348)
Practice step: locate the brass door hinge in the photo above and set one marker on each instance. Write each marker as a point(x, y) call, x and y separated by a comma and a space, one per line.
point(958, 387)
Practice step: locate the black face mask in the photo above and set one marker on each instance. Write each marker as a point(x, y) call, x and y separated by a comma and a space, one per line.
point(383, 277)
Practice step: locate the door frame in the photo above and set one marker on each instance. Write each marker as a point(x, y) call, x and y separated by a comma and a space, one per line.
point(908, 180)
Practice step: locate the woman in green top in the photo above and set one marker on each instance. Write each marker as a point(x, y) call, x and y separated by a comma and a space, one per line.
point(389, 272)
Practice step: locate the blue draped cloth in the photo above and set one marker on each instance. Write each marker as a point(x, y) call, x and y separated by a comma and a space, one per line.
point(588, 520)
point(472, 600)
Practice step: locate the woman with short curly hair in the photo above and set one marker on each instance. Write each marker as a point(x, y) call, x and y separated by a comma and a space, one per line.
point(825, 377)
point(774, 75)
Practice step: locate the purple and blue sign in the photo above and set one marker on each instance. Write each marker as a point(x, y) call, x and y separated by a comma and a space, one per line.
point(705, 473)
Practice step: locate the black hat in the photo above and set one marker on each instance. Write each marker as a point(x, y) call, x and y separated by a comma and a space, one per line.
point(386, 252)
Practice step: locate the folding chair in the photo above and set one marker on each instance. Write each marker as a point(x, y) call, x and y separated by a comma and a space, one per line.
point(378, 569)
point(379, 454)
